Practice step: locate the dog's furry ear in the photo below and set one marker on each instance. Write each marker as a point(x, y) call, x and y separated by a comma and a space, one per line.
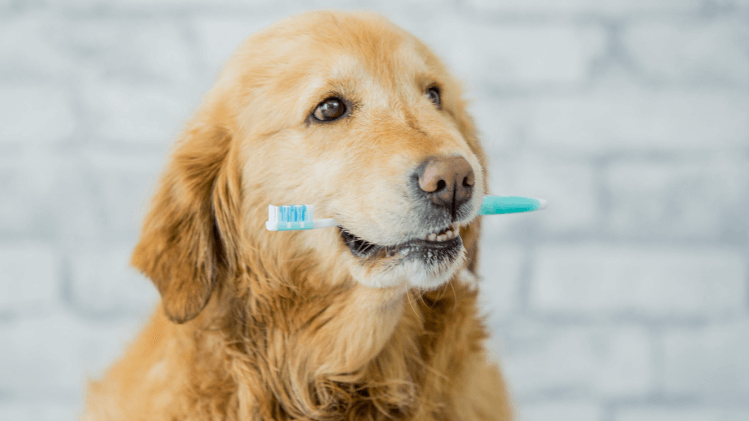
point(184, 247)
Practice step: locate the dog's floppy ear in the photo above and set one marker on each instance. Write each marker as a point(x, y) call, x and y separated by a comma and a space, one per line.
point(183, 247)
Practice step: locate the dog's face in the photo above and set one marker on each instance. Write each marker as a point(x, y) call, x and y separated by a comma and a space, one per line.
point(357, 117)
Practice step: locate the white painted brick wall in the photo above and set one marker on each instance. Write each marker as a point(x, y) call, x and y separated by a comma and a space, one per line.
point(32, 411)
point(29, 277)
point(645, 281)
point(35, 115)
point(700, 198)
point(564, 410)
point(569, 186)
point(218, 37)
point(27, 182)
point(630, 119)
point(501, 270)
point(140, 50)
point(691, 51)
point(50, 355)
point(28, 45)
point(627, 299)
point(688, 413)
point(611, 7)
point(600, 362)
point(513, 56)
point(102, 282)
point(119, 185)
point(146, 114)
point(709, 362)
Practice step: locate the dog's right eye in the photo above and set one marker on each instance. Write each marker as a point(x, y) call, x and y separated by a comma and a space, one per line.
point(329, 110)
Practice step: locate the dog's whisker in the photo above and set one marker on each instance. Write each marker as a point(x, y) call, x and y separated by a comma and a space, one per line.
point(455, 295)
point(421, 296)
point(408, 296)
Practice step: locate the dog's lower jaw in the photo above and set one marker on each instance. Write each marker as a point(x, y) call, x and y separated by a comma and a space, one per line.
point(409, 273)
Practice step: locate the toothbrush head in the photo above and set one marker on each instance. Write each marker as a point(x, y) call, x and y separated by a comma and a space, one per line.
point(290, 217)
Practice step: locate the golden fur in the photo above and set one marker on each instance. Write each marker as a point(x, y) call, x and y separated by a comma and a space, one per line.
point(258, 325)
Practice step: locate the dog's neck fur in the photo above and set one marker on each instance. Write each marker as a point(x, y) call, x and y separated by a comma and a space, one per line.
point(289, 354)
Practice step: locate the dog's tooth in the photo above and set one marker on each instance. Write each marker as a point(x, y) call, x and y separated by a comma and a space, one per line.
point(442, 237)
point(432, 237)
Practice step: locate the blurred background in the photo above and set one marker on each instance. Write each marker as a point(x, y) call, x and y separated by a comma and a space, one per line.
point(628, 299)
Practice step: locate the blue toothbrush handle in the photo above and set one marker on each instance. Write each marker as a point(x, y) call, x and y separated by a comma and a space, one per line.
point(494, 205)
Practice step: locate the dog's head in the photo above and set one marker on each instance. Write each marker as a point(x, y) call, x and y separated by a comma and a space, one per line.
point(341, 110)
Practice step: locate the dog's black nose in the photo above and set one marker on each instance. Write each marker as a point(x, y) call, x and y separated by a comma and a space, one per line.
point(447, 181)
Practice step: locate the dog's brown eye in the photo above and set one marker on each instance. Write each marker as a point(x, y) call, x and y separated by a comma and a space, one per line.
point(433, 94)
point(329, 110)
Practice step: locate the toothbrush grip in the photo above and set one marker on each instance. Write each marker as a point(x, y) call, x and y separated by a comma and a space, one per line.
point(495, 205)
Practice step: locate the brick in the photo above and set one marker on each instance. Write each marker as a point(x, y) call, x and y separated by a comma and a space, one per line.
point(134, 49)
point(708, 362)
point(28, 182)
point(500, 269)
point(679, 413)
point(147, 114)
point(705, 199)
point(740, 5)
point(618, 119)
point(407, 13)
point(43, 410)
point(46, 194)
point(545, 411)
point(34, 115)
point(30, 277)
point(569, 187)
point(500, 123)
point(172, 6)
point(76, 210)
point(217, 38)
point(691, 52)
point(602, 363)
point(514, 56)
point(646, 281)
point(616, 7)
point(30, 48)
point(123, 185)
point(103, 281)
point(50, 356)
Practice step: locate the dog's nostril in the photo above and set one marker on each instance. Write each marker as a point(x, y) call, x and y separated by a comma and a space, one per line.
point(440, 186)
point(469, 180)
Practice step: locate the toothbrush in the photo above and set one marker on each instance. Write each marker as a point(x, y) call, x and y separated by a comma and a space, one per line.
point(300, 217)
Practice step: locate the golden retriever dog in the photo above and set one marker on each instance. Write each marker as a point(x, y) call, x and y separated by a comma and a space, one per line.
point(376, 319)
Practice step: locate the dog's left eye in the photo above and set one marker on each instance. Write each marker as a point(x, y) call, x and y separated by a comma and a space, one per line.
point(433, 94)
point(329, 110)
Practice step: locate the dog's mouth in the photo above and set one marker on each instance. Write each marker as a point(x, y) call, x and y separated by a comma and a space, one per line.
point(435, 247)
